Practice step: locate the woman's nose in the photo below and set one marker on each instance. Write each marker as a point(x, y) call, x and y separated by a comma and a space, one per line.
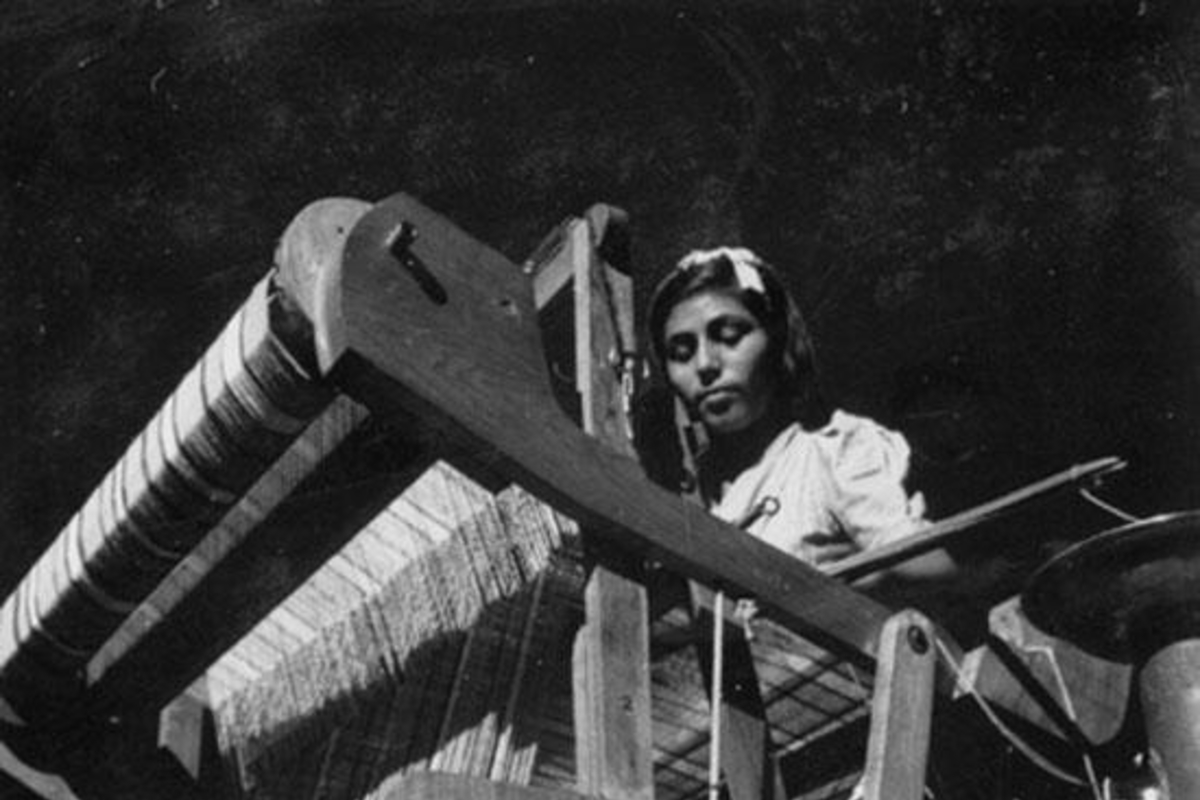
point(708, 363)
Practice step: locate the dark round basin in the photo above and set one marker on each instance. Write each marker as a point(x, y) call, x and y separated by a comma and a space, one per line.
point(1123, 594)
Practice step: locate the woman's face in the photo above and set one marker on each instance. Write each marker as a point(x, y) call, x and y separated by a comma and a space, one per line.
point(717, 360)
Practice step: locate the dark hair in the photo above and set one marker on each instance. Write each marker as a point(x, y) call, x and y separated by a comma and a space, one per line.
point(762, 291)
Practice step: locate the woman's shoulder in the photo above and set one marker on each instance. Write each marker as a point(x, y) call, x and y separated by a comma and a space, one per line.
point(856, 447)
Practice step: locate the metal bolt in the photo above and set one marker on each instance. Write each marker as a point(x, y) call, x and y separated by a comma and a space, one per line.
point(402, 238)
point(399, 244)
point(917, 640)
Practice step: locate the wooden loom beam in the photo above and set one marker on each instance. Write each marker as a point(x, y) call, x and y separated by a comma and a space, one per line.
point(223, 591)
point(191, 486)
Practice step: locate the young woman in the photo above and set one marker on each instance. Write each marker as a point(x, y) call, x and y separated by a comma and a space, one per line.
point(760, 448)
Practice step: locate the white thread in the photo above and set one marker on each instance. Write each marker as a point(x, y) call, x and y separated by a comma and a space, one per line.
point(718, 670)
point(1069, 707)
point(766, 507)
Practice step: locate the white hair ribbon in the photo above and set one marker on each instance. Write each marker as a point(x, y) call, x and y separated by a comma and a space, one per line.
point(745, 265)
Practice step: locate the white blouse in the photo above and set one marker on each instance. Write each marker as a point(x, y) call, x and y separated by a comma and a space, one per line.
point(839, 490)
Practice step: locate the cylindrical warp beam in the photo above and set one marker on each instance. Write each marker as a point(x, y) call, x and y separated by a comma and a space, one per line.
point(232, 416)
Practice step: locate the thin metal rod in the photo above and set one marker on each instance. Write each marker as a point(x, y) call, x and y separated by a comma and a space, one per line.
point(939, 533)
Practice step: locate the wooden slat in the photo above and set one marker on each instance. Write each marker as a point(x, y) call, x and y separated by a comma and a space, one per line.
point(613, 743)
point(296, 464)
point(41, 784)
point(441, 786)
point(901, 710)
point(181, 731)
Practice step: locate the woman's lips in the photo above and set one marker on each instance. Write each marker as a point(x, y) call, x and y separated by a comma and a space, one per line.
point(718, 401)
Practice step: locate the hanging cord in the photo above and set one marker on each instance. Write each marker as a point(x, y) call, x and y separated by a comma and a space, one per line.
point(765, 507)
point(718, 678)
point(1087, 494)
point(1013, 738)
point(1069, 707)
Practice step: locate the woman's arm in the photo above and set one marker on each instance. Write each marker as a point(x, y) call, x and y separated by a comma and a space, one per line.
point(868, 465)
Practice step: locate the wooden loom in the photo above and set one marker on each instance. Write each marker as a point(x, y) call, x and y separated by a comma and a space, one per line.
point(389, 311)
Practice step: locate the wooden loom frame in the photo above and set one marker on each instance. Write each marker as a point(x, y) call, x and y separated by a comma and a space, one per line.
point(390, 291)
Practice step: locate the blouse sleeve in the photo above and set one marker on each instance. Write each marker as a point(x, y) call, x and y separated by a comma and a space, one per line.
point(867, 465)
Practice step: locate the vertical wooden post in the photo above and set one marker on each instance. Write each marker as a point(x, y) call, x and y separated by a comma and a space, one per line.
point(901, 709)
point(613, 747)
point(613, 738)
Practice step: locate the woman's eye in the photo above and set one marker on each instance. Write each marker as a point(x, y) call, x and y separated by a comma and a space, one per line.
point(730, 333)
point(680, 350)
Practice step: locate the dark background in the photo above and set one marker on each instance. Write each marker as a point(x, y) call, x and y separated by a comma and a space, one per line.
point(988, 209)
